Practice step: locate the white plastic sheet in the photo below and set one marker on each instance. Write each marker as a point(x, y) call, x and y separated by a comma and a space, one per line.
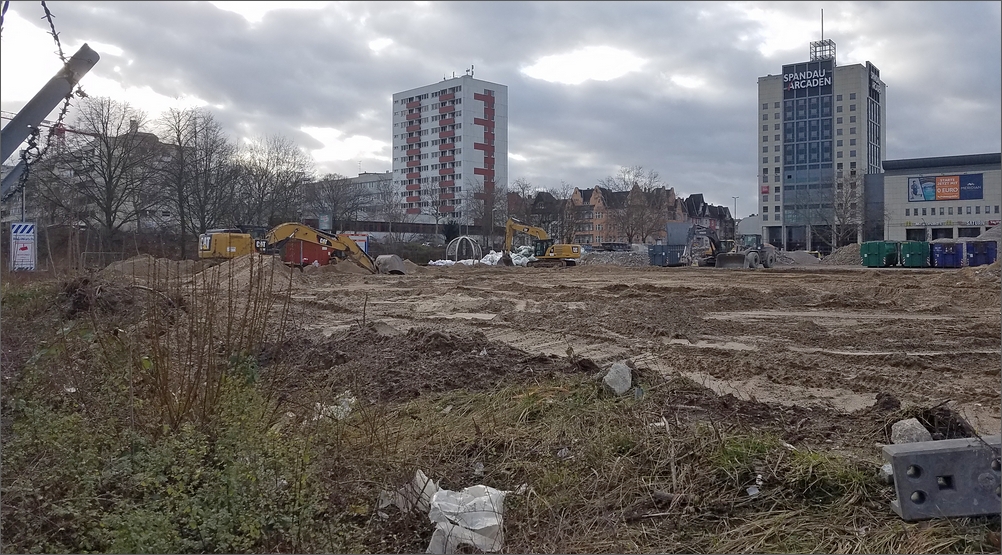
point(472, 516)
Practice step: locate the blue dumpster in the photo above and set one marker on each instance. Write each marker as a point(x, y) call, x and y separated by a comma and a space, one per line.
point(980, 253)
point(947, 255)
point(665, 255)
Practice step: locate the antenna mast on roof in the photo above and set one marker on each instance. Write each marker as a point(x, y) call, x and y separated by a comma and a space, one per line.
point(822, 24)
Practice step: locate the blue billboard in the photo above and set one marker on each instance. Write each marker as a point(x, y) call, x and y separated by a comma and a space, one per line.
point(972, 186)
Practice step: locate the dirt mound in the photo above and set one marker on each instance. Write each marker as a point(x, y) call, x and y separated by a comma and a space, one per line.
point(992, 234)
point(796, 258)
point(148, 269)
point(342, 267)
point(845, 256)
point(243, 272)
point(411, 268)
point(402, 366)
point(628, 259)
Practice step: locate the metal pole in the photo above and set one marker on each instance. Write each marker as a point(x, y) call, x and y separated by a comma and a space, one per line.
point(45, 100)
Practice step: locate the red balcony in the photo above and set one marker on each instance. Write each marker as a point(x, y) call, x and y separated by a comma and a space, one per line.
point(414, 104)
point(446, 109)
point(414, 152)
point(412, 140)
point(447, 171)
point(448, 121)
point(446, 134)
point(415, 187)
point(413, 163)
point(482, 122)
point(447, 159)
point(414, 116)
point(446, 196)
point(414, 175)
point(446, 183)
point(445, 97)
point(446, 146)
point(487, 173)
point(413, 199)
point(413, 128)
point(446, 208)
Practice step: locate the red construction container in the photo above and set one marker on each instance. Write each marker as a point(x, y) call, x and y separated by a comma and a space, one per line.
point(302, 253)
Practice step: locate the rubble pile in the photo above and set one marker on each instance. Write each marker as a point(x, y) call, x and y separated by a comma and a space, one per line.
point(795, 258)
point(845, 256)
point(628, 259)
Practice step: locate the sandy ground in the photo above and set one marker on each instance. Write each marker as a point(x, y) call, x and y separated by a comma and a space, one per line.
point(811, 336)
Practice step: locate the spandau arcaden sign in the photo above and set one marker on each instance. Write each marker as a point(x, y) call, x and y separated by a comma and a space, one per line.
point(807, 79)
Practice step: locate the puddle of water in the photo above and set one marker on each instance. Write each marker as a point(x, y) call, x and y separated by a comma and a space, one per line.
point(728, 345)
point(880, 353)
point(763, 390)
point(464, 316)
point(817, 314)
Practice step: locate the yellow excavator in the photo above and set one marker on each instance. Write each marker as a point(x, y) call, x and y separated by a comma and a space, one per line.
point(547, 252)
point(222, 244)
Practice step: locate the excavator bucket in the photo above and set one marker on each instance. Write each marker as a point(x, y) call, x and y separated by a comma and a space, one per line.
point(737, 260)
point(390, 264)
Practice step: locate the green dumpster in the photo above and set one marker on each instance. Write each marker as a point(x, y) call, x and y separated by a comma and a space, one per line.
point(879, 254)
point(915, 254)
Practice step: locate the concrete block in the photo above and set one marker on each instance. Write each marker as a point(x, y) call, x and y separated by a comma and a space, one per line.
point(619, 378)
point(947, 478)
point(909, 431)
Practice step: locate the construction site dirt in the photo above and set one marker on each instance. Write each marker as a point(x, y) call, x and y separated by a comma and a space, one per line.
point(817, 337)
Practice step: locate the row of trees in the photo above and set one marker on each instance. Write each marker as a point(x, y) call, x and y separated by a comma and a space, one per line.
point(109, 172)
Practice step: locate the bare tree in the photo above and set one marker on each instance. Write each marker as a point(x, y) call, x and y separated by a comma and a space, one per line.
point(833, 209)
point(198, 175)
point(388, 206)
point(486, 207)
point(337, 196)
point(521, 208)
point(273, 171)
point(107, 174)
point(438, 200)
point(633, 176)
point(569, 216)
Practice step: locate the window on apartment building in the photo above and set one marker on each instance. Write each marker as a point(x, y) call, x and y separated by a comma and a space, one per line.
point(977, 209)
point(776, 197)
point(906, 212)
point(776, 148)
point(852, 142)
point(923, 212)
point(775, 137)
point(776, 105)
point(852, 154)
point(765, 138)
point(996, 209)
point(838, 154)
point(852, 96)
point(852, 166)
point(765, 208)
point(838, 121)
point(838, 109)
point(765, 105)
point(765, 127)
point(775, 127)
point(765, 159)
point(852, 130)
point(775, 116)
point(838, 131)
point(949, 211)
point(838, 98)
point(765, 217)
point(960, 210)
point(941, 210)
point(852, 107)
point(765, 149)
point(838, 142)
point(852, 119)
point(765, 198)
point(765, 117)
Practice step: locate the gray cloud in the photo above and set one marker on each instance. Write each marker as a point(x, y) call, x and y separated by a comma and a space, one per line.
point(296, 68)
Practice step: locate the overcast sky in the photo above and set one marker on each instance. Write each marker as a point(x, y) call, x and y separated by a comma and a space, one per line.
point(592, 86)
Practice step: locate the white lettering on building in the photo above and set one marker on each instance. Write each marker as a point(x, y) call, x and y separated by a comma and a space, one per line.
point(807, 79)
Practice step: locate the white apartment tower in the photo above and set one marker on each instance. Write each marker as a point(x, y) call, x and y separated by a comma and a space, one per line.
point(450, 149)
point(821, 130)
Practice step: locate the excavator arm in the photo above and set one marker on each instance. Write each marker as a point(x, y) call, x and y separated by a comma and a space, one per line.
point(340, 243)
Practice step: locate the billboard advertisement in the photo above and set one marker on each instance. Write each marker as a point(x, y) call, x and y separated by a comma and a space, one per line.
point(946, 187)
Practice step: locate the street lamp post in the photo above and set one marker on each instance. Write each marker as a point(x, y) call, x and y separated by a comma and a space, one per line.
point(735, 217)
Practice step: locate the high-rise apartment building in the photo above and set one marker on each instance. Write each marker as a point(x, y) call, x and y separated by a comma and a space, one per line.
point(821, 130)
point(450, 149)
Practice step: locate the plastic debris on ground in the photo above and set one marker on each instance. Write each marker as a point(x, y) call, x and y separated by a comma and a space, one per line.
point(472, 516)
point(519, 257)
point(339, 411)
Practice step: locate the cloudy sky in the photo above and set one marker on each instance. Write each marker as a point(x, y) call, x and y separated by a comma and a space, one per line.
point(592, 86)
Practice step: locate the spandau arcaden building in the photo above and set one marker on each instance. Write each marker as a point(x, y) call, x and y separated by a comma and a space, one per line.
point(822, 130)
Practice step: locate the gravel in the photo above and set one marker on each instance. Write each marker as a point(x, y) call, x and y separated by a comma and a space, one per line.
point(844, 256)
point(630, 259)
